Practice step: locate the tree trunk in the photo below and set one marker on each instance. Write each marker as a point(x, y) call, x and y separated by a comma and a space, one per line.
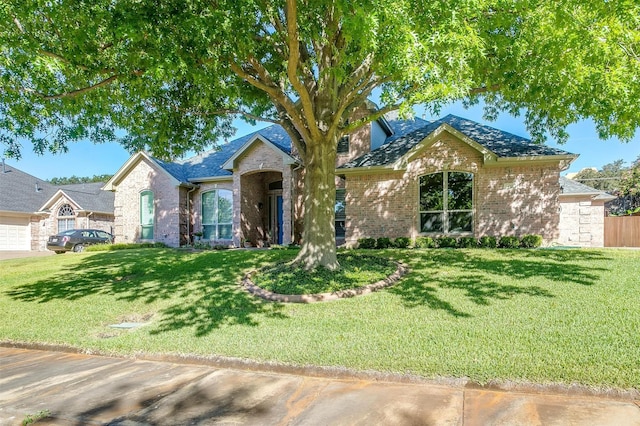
point(318, 235)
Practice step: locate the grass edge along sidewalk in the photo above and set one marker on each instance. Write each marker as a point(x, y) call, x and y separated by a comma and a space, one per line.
point(537, 316)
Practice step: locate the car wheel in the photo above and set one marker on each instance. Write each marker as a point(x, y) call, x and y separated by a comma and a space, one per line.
point(78, 248)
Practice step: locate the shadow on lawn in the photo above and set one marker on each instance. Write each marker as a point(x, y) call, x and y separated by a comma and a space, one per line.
point(479, 274)
point(204, 286)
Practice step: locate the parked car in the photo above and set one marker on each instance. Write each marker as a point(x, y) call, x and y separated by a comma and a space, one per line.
point(77, 240)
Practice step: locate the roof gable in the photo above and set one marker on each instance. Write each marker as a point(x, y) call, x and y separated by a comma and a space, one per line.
point(134, 160)
point(86, 196)
point(230, 164)
point(494, 144)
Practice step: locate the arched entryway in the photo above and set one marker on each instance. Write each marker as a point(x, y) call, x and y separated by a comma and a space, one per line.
point(264, 211)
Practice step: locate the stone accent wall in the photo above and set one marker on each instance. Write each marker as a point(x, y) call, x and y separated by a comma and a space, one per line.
point(508, 200)
point(146, 176)
point(581, 221)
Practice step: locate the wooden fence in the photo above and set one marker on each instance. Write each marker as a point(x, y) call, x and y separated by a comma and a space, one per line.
point(622, 231)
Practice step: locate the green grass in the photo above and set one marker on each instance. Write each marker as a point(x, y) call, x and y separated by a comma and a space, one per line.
point(546, 316)
point(356, 271)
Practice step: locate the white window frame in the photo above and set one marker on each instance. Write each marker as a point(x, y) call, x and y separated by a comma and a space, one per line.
point(215, 222)
point(445, 203)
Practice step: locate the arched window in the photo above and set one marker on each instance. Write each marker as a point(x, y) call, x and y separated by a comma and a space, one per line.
point(446, 203)
point(147, 215)
point(66, 218)
point(217, 214)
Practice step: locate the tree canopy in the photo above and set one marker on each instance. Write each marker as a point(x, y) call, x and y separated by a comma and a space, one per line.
point(173, 73)
point(76, 179)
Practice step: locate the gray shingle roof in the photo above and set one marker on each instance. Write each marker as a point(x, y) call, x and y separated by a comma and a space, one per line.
point(501, 143)
point(209, 164)
point(18, 193)
point(572, 187)
point(90, 196)
point(407, 134)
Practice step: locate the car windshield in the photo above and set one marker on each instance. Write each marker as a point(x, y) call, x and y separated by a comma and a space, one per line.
point(68, 232)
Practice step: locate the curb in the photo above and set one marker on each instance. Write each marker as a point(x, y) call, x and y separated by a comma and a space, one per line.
point(344, 373)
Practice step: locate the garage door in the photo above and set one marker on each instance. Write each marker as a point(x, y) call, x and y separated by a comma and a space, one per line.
point(15, 233)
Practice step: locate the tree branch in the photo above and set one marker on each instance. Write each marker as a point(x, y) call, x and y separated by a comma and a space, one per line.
point(292, 67)
point(278, 97)
point(76, 92)
point(480, 90)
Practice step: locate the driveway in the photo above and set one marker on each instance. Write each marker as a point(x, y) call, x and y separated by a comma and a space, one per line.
point(75, 389)
point(19, 254)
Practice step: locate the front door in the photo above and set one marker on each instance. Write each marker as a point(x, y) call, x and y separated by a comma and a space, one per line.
point(276, 219)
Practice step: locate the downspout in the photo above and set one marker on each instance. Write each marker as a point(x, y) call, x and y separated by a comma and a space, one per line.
point(88, 224)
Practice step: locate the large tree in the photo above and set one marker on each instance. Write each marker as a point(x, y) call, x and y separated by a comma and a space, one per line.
point(173, 73)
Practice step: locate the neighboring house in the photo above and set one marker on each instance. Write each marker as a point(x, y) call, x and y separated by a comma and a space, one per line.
point(581, 214)
point(394, 178)
point(32, 209)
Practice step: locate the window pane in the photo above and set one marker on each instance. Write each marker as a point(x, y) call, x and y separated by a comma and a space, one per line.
point(431, 222)
point(146, 208)
point(224, 232)
point(343, 145)
point(225, 206)
point(208, 208)
point(431, 194)
point(147, 232)
point(460, 222)
point(208, 232)
point(339, 207)
point(340, 229)
point(460, 192)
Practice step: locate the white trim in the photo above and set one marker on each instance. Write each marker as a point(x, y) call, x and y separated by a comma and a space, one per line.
point(230, 163)
point(59, 193)
point(196, 181)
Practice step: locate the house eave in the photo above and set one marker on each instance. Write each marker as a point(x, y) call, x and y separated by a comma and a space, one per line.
point(599, 196)
point(196, 181)
point(566, 159)
point(369, 170)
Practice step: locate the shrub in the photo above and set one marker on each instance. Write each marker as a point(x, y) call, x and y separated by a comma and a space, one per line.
point(447, 242)
point(383, 243)
point(367, 243)
point(509, 242)
point(124, 246)
point(488, 242)
point(402, 242)
point(467, 242)
point(424, 242)
point(531, 241)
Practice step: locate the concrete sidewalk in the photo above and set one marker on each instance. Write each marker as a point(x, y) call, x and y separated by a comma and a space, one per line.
point(81, 389)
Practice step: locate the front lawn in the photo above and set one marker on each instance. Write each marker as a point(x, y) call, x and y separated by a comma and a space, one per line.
point(562, 316)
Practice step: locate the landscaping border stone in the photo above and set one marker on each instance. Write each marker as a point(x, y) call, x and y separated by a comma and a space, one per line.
point(249, 286)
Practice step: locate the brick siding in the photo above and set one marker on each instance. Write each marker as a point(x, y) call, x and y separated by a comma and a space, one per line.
point(146, 176)
point(509, 200)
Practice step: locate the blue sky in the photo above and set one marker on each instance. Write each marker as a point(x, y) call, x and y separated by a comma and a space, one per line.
point(87, 159)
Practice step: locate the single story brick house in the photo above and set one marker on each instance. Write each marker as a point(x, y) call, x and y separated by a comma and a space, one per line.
point(394, 178)
point(32, 209)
